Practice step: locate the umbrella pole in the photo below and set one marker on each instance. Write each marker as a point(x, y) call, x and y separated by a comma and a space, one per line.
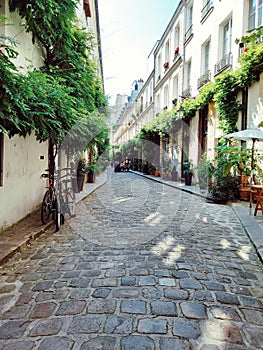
point(252, 160)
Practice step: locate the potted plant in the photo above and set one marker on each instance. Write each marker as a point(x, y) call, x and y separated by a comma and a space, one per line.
point(188, 174)
point(205, 171)
point(91, 172)
point(226, 181)
point(81, 171)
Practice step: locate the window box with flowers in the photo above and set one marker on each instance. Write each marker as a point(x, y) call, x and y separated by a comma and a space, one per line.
point(166, 65)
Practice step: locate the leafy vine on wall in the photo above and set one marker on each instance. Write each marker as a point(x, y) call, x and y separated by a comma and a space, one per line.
point(224, 90)
point(65, 91)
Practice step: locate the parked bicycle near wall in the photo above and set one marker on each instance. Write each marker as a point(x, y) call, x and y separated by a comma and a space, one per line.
point(59, 199)
point(50, 204)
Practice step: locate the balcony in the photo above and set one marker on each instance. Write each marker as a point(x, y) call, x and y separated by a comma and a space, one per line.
point(204, 78)
point(186, 93)
point(188, 35)
point(224, 63)
point(207, 9)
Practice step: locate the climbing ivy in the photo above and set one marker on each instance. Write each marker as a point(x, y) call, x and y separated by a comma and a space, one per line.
point(223, 91)
point(65, 92)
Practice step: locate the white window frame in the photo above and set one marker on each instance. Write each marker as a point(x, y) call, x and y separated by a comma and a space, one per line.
point(159, 65)
point(188, 74)
point(227, 37)
point(166, 96)
point(255, 19)
point(206, 57)
point(175, 87)
point(177, 36)
point(167, 51)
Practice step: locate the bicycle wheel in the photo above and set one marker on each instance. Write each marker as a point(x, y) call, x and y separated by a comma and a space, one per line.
point(71, 202)
point(57, 215)
point(46, 208)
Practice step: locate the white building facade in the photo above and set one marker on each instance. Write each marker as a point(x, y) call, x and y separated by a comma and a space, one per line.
point(197, 46)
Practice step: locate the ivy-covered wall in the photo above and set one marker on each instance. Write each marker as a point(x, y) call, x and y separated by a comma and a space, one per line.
point(65, 91)
point(223, 91)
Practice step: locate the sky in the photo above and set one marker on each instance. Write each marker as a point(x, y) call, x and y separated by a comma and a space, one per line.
point(129, 31)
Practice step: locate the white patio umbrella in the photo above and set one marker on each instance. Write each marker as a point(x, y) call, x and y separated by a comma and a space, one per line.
point(248, 135)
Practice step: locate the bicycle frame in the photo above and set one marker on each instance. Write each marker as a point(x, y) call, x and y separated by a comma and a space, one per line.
point(51, 202)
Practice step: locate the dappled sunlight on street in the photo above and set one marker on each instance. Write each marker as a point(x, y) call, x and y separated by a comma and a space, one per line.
point(163, 246)
point(174, 254)
point(244, 252)
point(168, 248)
point(225, 243)
point(205, 220)
point(153, 219)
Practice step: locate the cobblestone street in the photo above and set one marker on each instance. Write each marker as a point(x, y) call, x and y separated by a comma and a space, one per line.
point(143, 266)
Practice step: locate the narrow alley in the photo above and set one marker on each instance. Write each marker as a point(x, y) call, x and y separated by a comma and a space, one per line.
point(143, 266)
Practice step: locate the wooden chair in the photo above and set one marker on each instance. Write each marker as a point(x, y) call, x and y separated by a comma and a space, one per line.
point(244, 189)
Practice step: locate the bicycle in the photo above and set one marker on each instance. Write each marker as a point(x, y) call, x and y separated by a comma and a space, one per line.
point(51, 204)
point(59, 198)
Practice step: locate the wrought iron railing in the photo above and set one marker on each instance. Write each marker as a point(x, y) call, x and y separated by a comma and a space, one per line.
point(206, 10)
point(224, 63)
point(203, 79)
point(186, 93)
point(188, 34)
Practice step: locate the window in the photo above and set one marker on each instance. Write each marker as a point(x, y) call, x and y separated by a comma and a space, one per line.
point(188, 74)
point(176, 37)
point(159, 64)
point(206, 55)
point(254, 14)
point(175, 89)
point(1, 158)
point(189, 24)
point(167, 51)
point(227, 37)
point(158, 103)
point(205, 65)
point(166, 97)
point(189, 16)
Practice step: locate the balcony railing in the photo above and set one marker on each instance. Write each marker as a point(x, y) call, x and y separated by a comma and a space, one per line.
point(224, 63)
point(188, 35)
point(205, 78)
point(186, 93)
point(207, 9)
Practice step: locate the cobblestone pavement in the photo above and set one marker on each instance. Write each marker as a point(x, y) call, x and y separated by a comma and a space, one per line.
point(142, 267)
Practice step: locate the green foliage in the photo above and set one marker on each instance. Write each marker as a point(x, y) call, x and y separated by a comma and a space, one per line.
point(58, 101)
point(205, 171)
point(81, 167)
point(229, 163)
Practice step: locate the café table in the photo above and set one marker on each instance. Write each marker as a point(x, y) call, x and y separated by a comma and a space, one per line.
point(256, 190)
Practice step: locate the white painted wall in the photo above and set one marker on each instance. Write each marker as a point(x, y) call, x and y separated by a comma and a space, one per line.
point(22, 189)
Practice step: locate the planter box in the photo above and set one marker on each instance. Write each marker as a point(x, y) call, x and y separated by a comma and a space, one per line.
point(188, 179)
point(80, 182)
point(91, 177)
